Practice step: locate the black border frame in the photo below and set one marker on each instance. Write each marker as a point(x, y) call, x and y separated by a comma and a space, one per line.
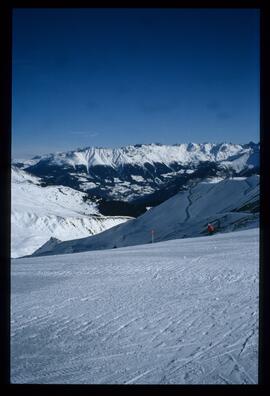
point(5, 196)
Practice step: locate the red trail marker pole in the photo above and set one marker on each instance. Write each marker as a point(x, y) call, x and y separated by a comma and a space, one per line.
point(152, 235)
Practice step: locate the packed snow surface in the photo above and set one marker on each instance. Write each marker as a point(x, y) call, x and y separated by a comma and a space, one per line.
point(175, 312)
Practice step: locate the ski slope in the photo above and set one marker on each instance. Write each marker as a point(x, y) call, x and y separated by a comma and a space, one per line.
point(183, 311)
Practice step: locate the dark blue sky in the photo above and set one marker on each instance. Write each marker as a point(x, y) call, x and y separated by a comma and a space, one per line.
point(111, 77)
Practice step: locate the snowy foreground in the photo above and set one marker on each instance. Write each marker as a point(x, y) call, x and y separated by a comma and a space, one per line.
point(176, 312)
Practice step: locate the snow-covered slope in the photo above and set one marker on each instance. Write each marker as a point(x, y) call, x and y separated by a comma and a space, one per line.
point(130, 172)
point(175, 312)
point(39, 213)
point(229, 204)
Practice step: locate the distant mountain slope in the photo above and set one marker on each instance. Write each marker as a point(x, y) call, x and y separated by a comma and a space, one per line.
point(230, 204)
point(38, 213)
point(132, 172)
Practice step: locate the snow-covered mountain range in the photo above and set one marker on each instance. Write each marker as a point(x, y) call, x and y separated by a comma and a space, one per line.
point(229, 204)
point(39, 213)
point(152, 172)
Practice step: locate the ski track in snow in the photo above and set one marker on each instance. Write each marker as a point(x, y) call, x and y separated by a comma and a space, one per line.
point(175, 312)
point(190, 202)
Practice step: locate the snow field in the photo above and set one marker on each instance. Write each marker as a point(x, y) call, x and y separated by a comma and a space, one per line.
point(175, 312)
point(39, 213)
